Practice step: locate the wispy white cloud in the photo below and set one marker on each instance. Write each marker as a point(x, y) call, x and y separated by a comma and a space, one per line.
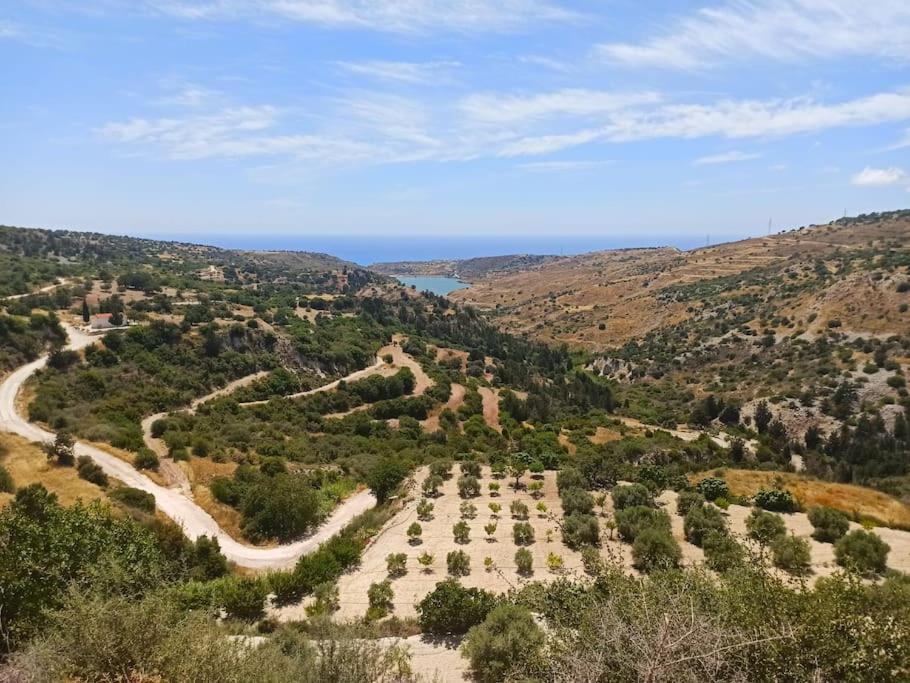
point(783, 30)
point(382, 15)
point(374, 127)
point(877, 177)
point(730, 157)
point(563, 166)
point(31, 36)
point(574, 102)
point(732, 119)
point(402, 72)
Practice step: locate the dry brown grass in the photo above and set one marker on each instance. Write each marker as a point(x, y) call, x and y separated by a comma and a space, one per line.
point(27, 464)
point(203, 470)
point(810, 492)
point(128, 458)
point(604, 435)
point(566, 300)
point(227, 518)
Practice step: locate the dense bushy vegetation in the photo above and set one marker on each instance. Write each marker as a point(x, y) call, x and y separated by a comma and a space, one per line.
point(24, 339)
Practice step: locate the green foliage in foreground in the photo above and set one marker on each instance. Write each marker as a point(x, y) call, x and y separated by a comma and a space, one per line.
point(96, 639)
point(691, 626)
point(452, 608)
point(45, 549)
point(506, 639)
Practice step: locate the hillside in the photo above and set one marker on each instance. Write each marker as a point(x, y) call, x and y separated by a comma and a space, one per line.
point(847, 271)
point(273, 437)
point(468, 270)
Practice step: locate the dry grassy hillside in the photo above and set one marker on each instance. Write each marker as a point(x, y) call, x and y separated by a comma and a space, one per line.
point(603, 299)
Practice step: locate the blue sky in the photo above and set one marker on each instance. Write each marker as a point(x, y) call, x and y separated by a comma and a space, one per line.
point(519, 118)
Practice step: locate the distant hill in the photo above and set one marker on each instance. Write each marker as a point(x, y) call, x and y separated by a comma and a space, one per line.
point(30, 257)
point(844, 273)
point(468, 270)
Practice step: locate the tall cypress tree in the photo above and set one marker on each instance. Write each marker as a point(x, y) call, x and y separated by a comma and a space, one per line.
point(86, 313)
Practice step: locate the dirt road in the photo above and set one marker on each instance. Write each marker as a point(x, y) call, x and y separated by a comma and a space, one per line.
point(193, 519)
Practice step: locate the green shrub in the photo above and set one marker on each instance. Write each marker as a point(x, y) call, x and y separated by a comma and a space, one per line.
point(470, 468)
point(713, 488)
point(415, 531)
point(722, 551)
point(576, 501)
point(380, 596)
point(523, 533)
point(688, 500)
point(134, 498)
point(89, 470)
point(863, 552)
point(468, 486)
point(461, 531)
point(281, 507)
point(655, 549)
point(518, 509)
point(241, 598)
point(397, 564)
point(700, 520)
point(830, 524)
point(776, 500)
point(570, 478)
point(524, 562)
point(507, 638)
point(431, 484)
point(450, 608)
point(632, 495)
point(425, 510)
point(630, 521)
point(764, 527)
point(6, 481)
point(385, 477)
point(592, 561)
point(458, 563)
point(791, 553)
point(580, 530)
point(146, 459)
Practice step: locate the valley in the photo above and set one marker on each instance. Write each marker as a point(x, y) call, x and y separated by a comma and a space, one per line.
point(312, 449)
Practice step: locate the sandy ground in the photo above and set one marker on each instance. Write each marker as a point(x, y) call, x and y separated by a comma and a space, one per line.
point(434, 659)
point(437, 540)
point(193, 519)
point(490, 407)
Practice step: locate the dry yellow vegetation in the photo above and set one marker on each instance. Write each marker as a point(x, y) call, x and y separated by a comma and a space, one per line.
point(810, 492)
point(604, 299)
point(27, 464)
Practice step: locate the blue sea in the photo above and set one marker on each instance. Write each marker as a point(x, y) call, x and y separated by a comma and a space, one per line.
point(367, 249)
point(436, 285)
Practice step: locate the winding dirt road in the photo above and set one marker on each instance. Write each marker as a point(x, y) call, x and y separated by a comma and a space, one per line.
point(42, 290)
point(193, 519)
